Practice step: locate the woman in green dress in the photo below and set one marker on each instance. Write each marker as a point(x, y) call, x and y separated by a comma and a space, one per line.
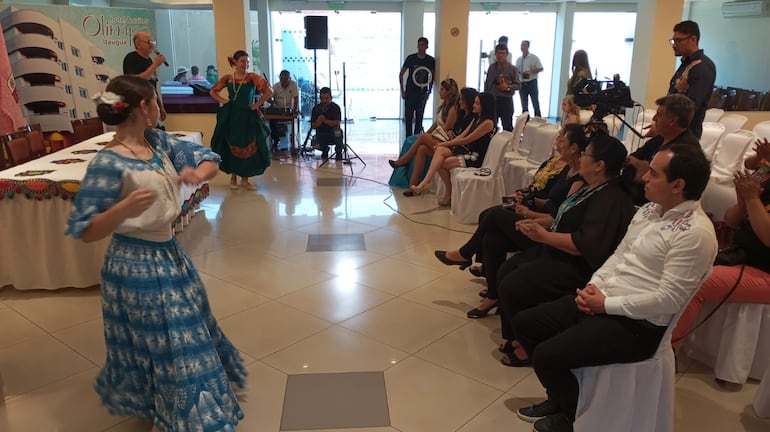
point(240, 136)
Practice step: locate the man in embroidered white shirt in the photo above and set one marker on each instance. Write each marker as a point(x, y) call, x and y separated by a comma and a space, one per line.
point(623, 312)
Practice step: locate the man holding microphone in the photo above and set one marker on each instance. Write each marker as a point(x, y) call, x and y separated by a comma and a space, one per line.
point(138, 62)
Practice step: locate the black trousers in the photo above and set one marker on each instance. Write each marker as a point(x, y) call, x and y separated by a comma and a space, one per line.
point(559, 338)
point(529, 90)
point(538, 275)
point(414, 108)
point(495, 236)
point(504, 109)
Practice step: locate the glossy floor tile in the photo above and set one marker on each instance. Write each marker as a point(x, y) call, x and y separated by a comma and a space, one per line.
point(388, 309)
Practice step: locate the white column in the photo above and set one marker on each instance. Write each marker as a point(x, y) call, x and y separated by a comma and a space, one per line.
point(231, 30)
point(562, 55)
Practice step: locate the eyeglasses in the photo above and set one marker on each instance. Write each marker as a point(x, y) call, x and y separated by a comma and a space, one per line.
point(675, 41)
point(148, 42)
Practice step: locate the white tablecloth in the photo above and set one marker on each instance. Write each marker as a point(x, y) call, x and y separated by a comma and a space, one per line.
point(34, 207)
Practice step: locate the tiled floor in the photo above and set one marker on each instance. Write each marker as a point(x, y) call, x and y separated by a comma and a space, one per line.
point(391, 310)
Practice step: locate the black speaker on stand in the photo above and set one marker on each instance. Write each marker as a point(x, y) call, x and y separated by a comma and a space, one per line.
point(316, 37)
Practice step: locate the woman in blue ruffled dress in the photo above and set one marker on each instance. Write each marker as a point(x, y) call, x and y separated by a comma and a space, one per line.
point(167, 359)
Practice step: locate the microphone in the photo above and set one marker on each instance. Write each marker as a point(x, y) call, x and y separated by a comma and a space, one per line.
point(157, 53)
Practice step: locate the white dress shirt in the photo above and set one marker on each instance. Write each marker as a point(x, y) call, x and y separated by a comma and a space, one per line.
point(659, 264)
point(531, 62)
point(284, 97)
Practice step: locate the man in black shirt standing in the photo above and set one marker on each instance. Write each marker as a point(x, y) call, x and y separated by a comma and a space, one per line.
point(696, 74)
point(420, 67)
point(671, 122)
point(138, 62)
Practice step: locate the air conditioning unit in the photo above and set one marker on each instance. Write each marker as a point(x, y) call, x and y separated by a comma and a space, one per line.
point(749, 8)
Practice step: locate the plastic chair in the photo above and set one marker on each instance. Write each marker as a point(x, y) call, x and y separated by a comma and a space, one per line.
point(613, 123)
point(709, 140)
point(733, 122)
point(527, 139)
point(471, 193)
point(585, 116)
point(713, 115)
point(645, 117)
point(729, 154)
point(647, 402)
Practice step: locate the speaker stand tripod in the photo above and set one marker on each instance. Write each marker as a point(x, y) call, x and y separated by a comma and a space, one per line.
point(346, 149)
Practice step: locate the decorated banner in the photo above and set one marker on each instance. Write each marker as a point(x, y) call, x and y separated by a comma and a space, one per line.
point(10, 114)
point(60, 56)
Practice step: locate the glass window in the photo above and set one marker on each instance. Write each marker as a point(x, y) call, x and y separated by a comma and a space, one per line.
point(195, 48)
point(87, 114)
point(68, 88)
point(79, 71)
point(537, 27)
point(60, 44)
point(64, 66)
point(75, 51)
point(83, 92)
point(367, 43)
point(73, 113)
point(608, 38)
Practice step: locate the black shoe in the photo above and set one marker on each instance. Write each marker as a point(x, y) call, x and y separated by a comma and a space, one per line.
point(483, 293)
point(477, 271)
point(325, 155)
point(536, 412)
point(480, 313)
point(441, 255)
point(553, 423)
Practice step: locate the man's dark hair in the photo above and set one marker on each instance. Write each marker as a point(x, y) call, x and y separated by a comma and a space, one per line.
point(194, 70)
point(690, 28)
point(679, 106)
point(422, 39)
point(525, 42)
point(501, 47)
point(284, 72)
point(689, 164)
point(325, 90)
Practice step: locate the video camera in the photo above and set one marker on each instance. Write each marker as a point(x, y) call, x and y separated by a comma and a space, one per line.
point(608, 97)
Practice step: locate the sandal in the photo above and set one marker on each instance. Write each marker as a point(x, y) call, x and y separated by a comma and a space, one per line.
point(506, 348)
point(511, 360)
point(483, 172)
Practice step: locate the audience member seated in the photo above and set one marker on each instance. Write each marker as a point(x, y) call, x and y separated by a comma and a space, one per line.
point(466, 150)
point(585, 231)
point(622, 313)
point(196, 76)
point(745, 265)
point(496, 234)
point(212, 75)
point(418, 148)
point(181, 75)
point(670, 124)
point(570, 111)
point(286, 96)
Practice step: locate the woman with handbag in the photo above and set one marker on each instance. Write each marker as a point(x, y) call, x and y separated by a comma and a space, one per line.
point(746, 264)
point(465, 150)
point(496, 234)
point(419, 148)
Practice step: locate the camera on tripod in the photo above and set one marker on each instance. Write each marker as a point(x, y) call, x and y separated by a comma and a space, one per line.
point(607, 97)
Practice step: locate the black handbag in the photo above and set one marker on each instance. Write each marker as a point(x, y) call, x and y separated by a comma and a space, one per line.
point(731, 256)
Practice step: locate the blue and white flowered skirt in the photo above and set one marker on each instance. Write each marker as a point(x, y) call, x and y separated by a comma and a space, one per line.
point(167, 359)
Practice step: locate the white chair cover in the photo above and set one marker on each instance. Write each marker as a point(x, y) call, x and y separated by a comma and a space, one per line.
point(471, 194)
point(762, 129)
point(646, 401)
point(585, 116)
point(518, 129)
point(733, 122)
point(632, 141)
point(614, 124)
point(516, 172)
point(713, 115)
point(709, 140)
point(729, 154)
point(645, 117)
point(735, 341)
point(527, 139)
point(717, 198)
point(762, 398)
